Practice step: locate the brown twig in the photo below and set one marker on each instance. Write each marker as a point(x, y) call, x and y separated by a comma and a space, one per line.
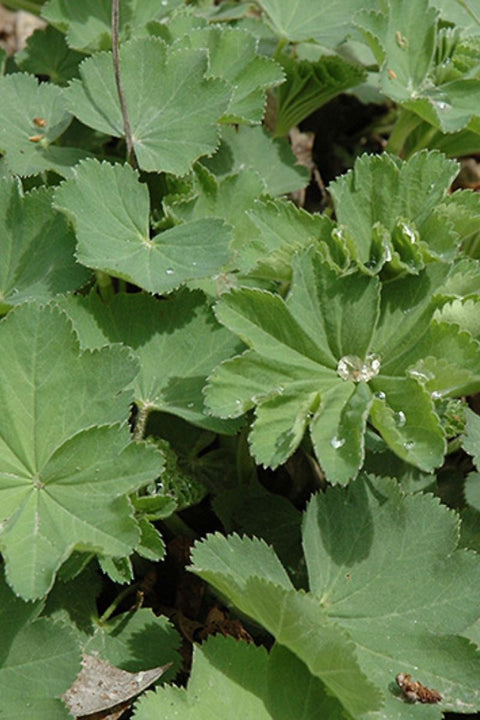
point(118, 79)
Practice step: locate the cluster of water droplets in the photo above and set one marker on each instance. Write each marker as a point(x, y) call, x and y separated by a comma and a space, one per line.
point(351, 367)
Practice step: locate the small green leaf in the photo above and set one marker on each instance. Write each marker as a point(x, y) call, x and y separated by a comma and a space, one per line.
point(177, 341)
point(36, 247)
point(471, 441)
point(46, 53)
point(173, 108)
point(28, 146)
point(110, 210)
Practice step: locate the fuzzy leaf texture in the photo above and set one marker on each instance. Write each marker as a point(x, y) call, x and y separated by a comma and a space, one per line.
point(173, 107)
point(110, 210)
point(242, 682)
point(66, 468)
point(338, 351)
point(388, 589)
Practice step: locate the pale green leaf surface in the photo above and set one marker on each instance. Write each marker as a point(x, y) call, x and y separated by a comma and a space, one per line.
point(36, 247)
point(465, 14)
point(234, 57)
point(24, 99)
point(78, 498)
point(110, 211)
point(173, 109)
point(177, 342)
point(254, 148)
point(88, 24)
point(465, 314)
point(472, 490)
point(40, 665)
point(227, 680)
point(328, 23)
point(46, 53)
point(237, 568)
point(401, 615)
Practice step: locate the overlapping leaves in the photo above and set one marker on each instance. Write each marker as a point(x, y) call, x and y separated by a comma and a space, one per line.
point(338, 351)
point(368, 602)
point(66, 460)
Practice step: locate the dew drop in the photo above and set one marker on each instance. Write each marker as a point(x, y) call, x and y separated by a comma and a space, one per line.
point(280, 389)
point(436, 394)
point(409, 233)
point(409, 445)
point(380, 395)
point(400, 418)
point(444, 106)
point(238, 402)
point(190, 404)
point(387, 253)
point(337, 443)
point(194, 264)
point(351, 367)
point(164, 3)
point(169, 271)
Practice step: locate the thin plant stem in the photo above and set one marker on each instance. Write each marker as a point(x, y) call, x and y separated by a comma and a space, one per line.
point(31, 7)
point(132, 160)
point(142, 417)
point(114, 605)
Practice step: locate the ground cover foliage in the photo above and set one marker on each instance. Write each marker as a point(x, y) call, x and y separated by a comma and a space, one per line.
point(240, 438)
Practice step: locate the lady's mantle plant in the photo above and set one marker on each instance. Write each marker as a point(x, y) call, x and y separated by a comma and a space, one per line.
point(160, 313)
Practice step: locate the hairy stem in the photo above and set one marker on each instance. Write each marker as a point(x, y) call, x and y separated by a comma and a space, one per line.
point(118, 79)
point(142, 417)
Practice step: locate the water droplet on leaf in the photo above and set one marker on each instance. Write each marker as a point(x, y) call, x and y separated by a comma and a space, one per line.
point(409, 445)
point(169, 271)
point(400, 418)
point(351, 367)
point(380, 395)
point(337, 443)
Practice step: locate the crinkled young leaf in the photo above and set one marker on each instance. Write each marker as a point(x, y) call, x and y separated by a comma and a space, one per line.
point(36, 247)
point(311, 355)
point(177, 342)
point(63, 481)
point(47, 53)
point(88, 24)
point(173, 108)
point(27, 146)
point(249, 574)
point(388, 571)
point(328, 24)
point(110, 211)
point(309, 86)
point(233, 56)
point(380, 190)
point(39, 660)
point(255, 149)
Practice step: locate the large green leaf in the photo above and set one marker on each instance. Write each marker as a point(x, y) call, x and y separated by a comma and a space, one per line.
point(32, 116)
point(64, 480)
point(177, 341)
point(338, 350)
point(46, 53)
point(110, 210)
point(240, 681)
point(328, 23)
point(36, 247)
point(173, 108)
point(388, 587)
point(39, 660)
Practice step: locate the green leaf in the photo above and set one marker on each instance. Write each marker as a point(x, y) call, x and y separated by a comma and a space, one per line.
point(110, 210)
point(45, 652)
point(309, 86)
point(46, 53)
point(177, 342)
point(471, 441)
point(88, 24)
point(462, 13)
point(252, 578)
point(253, 148)
point(173, 108)
point(28, 146)
point(381, 190)
point(402, 615)
point(327, 24)
point(63, 482)
point(464, 313)
point(36, 247)
point(234, 57)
